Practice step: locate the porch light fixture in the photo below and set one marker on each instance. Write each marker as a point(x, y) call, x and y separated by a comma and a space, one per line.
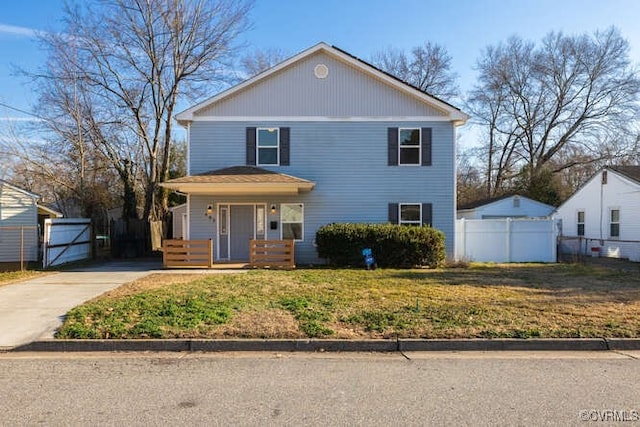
point(273, 209)
point(209, 211)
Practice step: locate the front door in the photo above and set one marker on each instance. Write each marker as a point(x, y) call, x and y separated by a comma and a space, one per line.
point(237, 224)
point(240, 231)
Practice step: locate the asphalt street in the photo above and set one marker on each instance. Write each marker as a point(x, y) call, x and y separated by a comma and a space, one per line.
point(430, 388)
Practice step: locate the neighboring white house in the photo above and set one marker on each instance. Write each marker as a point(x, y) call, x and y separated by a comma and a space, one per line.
point(601, 218)
point(508, 206)
point(20, 216)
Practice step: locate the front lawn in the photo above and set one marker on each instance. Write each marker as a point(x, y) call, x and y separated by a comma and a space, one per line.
point(481, 301)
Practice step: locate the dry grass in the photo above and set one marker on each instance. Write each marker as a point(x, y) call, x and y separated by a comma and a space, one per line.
point(9, 277)
point(477, 301)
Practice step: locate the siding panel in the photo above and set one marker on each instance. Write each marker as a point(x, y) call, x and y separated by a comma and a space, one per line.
point(17, 209)
point(346, 92)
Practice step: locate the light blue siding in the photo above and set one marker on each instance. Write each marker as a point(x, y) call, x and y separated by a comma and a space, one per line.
point(347, 161)
point(296, 91)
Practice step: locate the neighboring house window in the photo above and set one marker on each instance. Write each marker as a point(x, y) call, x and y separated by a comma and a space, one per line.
point(410, 213)
point(268, 144)
point(614, 223)
point(604, 177)
point(409, 146)
point(516, 202)
point(580, 223)
point(292, 220)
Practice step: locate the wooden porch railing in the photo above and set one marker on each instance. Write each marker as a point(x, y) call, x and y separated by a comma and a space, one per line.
point(187, 253)
point(271, 253)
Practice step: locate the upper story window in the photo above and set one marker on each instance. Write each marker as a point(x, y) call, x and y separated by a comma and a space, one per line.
point(580, 222)
point(268, 146)
point(409, 146)
point(614, 223)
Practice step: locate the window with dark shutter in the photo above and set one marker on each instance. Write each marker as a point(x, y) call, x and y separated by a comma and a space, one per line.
point(392, 146)
point(284, 146)
point(251, 146)
point(393, 213)
point(427, 214)
point(426, 146)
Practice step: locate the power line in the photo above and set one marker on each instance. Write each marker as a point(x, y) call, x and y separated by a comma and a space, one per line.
point(20, 111)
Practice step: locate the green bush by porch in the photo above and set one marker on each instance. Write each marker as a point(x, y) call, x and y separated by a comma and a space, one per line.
point(393, 245)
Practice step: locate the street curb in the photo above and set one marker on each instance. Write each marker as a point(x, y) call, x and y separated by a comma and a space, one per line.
point(311, 345)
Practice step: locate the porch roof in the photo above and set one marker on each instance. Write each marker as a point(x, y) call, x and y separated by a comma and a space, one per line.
point(240, 180)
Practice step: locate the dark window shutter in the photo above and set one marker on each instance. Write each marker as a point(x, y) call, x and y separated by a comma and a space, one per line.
point(392, 141)
point(426, 146)
point(251, 146)
point(284, 146)
point(427, 214)
point(393, 213)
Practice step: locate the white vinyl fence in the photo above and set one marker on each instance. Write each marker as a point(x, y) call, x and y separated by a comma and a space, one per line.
point(506, 240)
point(66, 240)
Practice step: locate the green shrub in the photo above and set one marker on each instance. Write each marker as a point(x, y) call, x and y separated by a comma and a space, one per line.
point(392, 245)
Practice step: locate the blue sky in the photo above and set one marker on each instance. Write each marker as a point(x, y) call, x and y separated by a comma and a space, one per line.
point(360, 27)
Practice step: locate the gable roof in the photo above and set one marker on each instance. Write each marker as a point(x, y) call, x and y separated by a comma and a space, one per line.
point(631, 172)
point(13, 187)
point(455, 114)
point(489, 201)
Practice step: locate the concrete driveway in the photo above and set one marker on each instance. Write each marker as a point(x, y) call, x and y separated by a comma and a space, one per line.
point(34, 309)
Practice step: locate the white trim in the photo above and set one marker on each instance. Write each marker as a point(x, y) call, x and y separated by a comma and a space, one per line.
point(188, 236)
point(292, 222)
point(411, 147)
point(611, 222)
point(188, 148)
point(277, 146)
point(400, 205)
point(281, 119)
point(453, 113)
point(584, 221)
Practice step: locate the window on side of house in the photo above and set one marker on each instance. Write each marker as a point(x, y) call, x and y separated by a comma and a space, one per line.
point(292, 220)
point(614, 223)
point(580, 222)
point(268, 146)
point(410, 214)
point(409, 146)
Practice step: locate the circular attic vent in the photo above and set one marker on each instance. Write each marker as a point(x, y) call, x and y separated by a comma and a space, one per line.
point(321, 71)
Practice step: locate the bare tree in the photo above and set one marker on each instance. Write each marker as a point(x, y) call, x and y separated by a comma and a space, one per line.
point(537, 104)
point(257, 61)
point(427, 67)
point(130, 61)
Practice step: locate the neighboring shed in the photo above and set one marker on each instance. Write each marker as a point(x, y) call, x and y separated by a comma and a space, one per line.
point(507, 206)
point(18, 224)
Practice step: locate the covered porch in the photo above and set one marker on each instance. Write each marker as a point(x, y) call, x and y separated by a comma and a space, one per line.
point(238, 207)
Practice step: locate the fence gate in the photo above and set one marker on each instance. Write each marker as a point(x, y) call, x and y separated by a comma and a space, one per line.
point(66, 240)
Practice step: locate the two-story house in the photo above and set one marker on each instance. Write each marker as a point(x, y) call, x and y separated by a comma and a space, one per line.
point(322, 137)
